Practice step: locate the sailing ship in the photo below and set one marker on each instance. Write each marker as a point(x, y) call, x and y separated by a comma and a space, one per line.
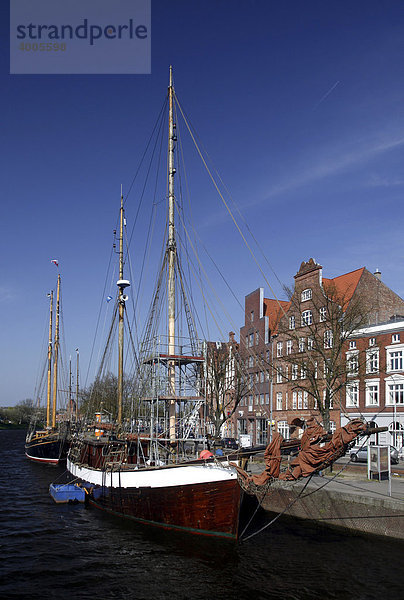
point(158, 469)
point(49, 444)
point(150, 476)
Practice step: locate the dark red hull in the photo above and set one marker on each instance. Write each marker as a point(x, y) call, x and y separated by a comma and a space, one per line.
point(204, 508)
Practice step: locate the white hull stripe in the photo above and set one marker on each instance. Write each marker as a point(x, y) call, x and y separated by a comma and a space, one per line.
point(155, 478)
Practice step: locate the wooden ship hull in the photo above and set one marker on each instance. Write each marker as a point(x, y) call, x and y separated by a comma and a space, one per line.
point(205, 508)
point(200, 496)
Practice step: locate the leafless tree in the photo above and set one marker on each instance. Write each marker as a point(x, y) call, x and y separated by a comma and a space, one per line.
point(226, 382)
point(313, 340)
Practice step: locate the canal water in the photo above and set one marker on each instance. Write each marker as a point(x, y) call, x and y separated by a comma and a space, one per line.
point(51, 551)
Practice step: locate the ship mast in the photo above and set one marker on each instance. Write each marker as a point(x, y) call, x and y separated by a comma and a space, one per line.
point(172, 253)
point(77, 384)
point(122, 284)
point(49, 388)
point(56, 356)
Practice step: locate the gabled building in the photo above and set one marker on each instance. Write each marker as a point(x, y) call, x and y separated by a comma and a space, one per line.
point(291, 347)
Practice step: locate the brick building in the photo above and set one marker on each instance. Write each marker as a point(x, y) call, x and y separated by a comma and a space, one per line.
point(375, 388)
point(277, 344)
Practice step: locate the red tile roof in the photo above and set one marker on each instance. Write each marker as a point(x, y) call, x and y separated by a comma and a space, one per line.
point(272, 309)
point(344, 285)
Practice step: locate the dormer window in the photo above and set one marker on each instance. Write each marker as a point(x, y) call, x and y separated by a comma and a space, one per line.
point(372, 341)
point(306, 295)
point(352, 345)
point(395, 338)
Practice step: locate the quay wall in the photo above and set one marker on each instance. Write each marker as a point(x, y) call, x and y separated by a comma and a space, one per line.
point(358, 506)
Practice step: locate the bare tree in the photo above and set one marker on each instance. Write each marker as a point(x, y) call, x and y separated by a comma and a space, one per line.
point(102, 395)
point(226, 382)
point(313, 339)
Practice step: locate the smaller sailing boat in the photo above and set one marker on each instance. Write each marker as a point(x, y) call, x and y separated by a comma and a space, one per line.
point(49, 445)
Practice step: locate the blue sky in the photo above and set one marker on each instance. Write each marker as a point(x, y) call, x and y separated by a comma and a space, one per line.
point(300, 106)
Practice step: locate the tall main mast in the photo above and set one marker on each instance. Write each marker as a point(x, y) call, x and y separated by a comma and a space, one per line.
point(49, 388)
point(122, 284)
point(172, 252)
point(56, 356)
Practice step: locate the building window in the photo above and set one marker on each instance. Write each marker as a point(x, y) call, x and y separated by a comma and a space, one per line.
point(294, 372)
point(303, 372)
point(279, 347)
point(372, 393)
point(328, 339)
point(262, 399)
point(306, 295)
point(294, 401)
point(352, 394)
point(250, 361)
point(279, 401)
point(266, 375)
point(372, 361)
point(266, 398)
point(252, 316)
point(262, 377)
point(279, 375)
point(251, 340)
point(315, 369)
point(257, 336)
point(395, 360)
point(395, 338)
point(299, 400)
point(305, 400)
point(333, 427)
point(352, 345)
point(372, 341)
point(352, 363)
point(302, 343)
point(292, 322)
point(395, 392)
point(310, 343)
point(283, 429)
point(307, 317)
point(289, 347)
point(323, 314)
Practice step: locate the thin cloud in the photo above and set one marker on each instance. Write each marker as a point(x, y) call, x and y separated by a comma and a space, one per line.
point(335, 164)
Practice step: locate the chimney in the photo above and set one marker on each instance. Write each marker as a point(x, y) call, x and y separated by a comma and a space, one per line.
point(231, 337)
point(378, 274)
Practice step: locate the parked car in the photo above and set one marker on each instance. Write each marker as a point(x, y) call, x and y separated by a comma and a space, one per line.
point(229, 443)
point(361, 454)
